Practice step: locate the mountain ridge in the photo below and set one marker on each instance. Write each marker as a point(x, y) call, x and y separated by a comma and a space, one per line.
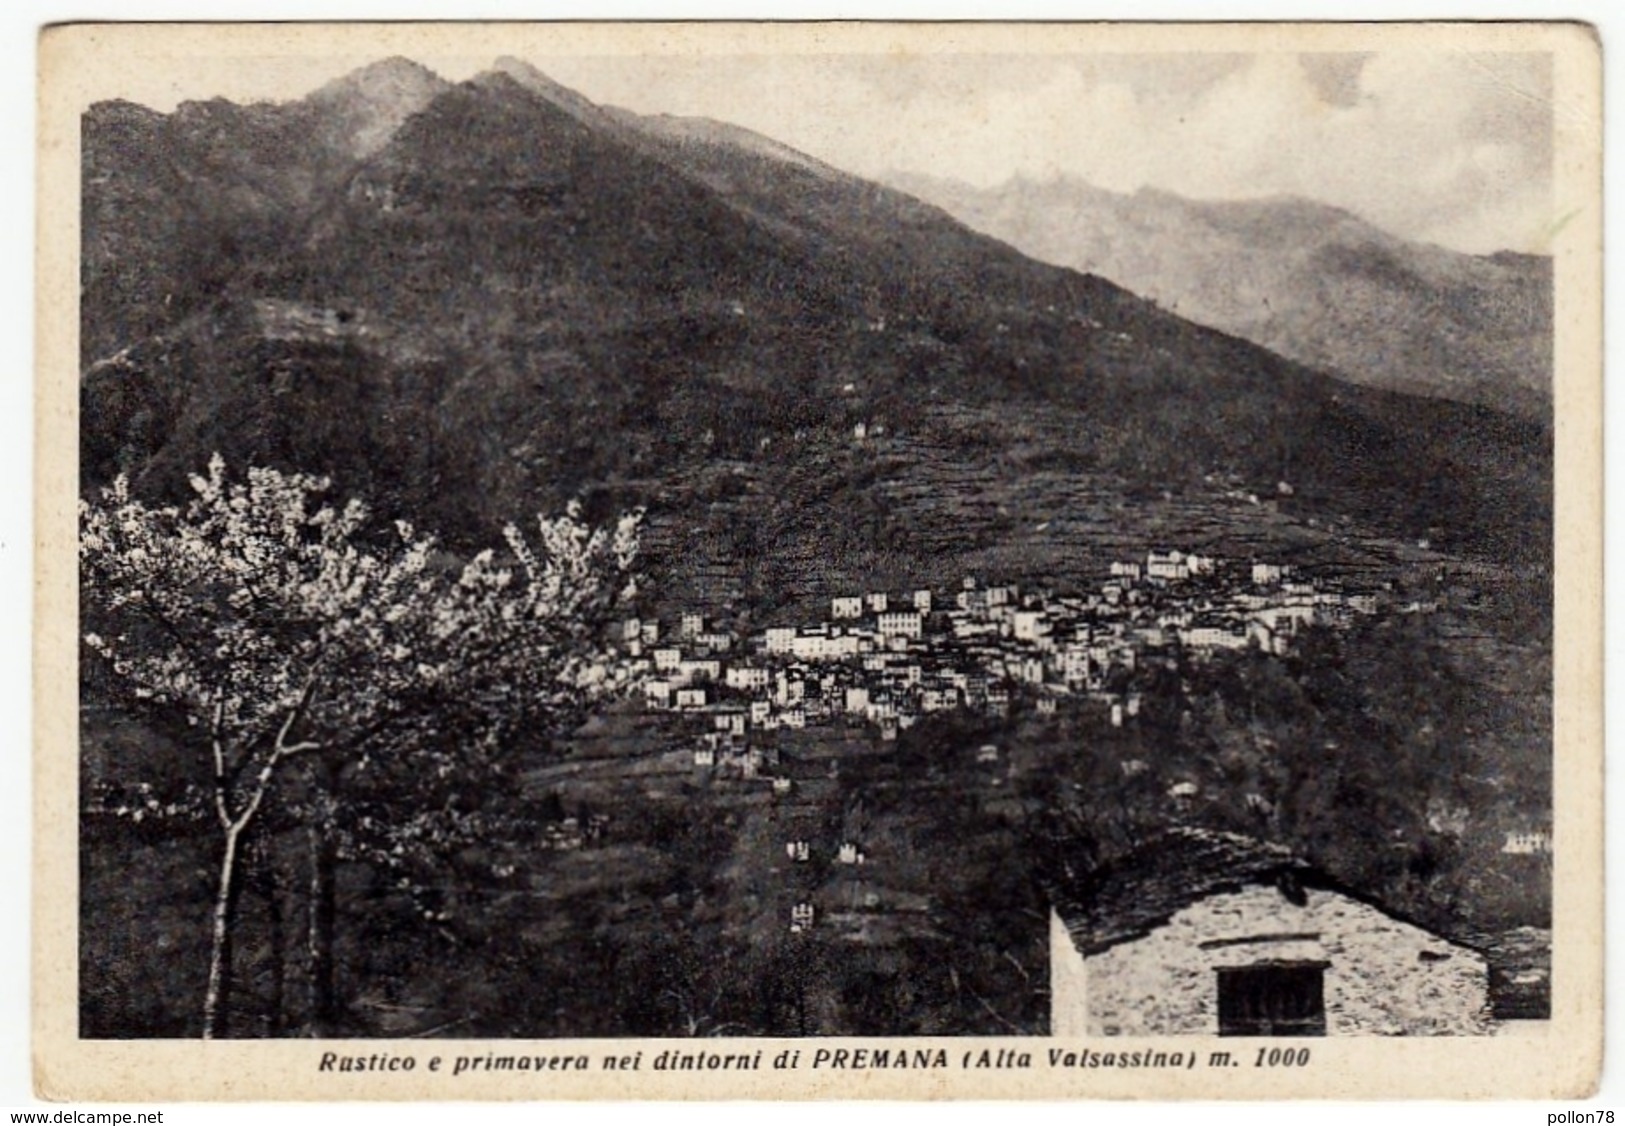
point(1314, 282)
point(511, 301)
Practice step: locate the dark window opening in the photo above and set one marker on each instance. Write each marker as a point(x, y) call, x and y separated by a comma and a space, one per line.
point(1272, 1001)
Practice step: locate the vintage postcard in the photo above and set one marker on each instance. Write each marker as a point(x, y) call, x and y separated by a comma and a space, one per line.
point(723, 561)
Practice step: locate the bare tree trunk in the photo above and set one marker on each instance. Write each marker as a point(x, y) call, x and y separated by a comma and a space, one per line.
point(217, 996)
point(278, 938)
point(321, 995)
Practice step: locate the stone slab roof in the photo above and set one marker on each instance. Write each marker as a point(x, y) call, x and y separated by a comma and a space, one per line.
point(1128, 898)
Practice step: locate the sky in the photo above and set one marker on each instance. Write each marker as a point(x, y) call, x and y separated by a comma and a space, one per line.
point(1449, 148)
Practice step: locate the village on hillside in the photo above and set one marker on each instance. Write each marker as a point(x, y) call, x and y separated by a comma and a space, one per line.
point(790, 707)
point(884, 661)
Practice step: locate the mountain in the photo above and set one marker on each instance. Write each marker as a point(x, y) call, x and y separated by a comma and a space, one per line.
point(358, 113)
point(471, 301)
point(1312, 282)
point(176, 205)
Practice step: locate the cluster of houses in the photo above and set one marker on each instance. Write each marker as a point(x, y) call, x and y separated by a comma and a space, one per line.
point(885, 661)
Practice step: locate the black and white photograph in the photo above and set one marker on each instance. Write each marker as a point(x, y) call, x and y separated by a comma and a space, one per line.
point(1044, 552)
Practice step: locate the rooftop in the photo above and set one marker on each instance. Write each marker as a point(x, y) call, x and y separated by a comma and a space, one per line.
point(1128, 898)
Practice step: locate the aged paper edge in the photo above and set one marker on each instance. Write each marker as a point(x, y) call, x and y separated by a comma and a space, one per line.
point(1563, 1059)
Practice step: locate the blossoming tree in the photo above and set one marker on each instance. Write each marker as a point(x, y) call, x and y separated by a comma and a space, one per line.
point(284, 627)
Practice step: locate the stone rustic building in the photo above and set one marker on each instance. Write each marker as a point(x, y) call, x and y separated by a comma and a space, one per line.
point(1217, 934)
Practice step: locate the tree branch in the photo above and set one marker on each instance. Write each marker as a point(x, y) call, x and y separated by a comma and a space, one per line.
point(217, 741)
point(260, 787)
point(299, 748)
point(297, 711)
point(280, 751)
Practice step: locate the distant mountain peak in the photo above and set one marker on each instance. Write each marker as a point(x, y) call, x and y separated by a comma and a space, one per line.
point(368, 105)
point(396, 68)
point(528, 76)
point(391, 79)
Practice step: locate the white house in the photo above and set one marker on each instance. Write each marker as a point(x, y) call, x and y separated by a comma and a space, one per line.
point(746, 677)
point(1533, 843)
point(1030, 625)
point(1288, 617)
point(699, 670)
point(844, 645)
point(1166, 565)
point(1267, 574)
point(900, 623)
point(1214, 635)
point(714, 642)
point(1126, 570)
point(808, 646)
point(846, 607)
point(1206, 933)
